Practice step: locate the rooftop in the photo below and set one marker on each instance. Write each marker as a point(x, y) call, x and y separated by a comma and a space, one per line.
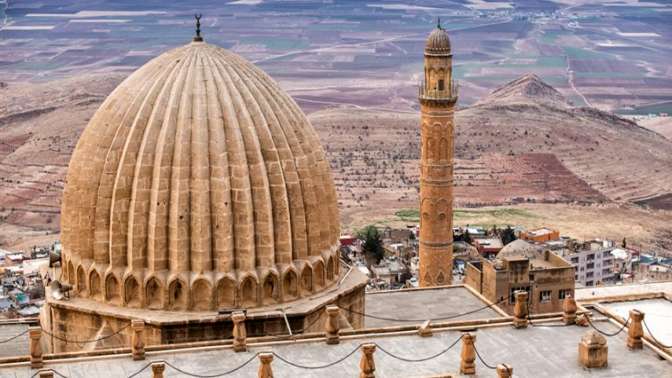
point(657, 315)
point(424, 303)
point(532, 356)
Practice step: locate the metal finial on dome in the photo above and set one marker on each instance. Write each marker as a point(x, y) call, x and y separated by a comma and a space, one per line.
point(438, 22)
point(198, 37)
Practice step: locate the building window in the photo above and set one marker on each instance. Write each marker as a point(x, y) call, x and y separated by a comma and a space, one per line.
point(606, 254)
point(589, 283)
point(545, 296)
point(591, 257)
point(575, 260)
point(441, 86)
point(589, 275)
point(590, 266)
point(564, 293)
point(512, 293)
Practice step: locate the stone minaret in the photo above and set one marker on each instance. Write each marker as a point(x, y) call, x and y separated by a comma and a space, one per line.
point(438, 95)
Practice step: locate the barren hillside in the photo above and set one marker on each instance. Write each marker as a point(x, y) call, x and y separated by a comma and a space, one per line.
point(523, 143)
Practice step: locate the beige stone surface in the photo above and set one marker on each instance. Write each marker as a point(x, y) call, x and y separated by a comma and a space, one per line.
point(199, 184)
point(437, 102)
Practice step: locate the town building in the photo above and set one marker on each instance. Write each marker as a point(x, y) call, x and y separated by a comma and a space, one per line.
point(592, 260)
point(489, 247)
point(547, 278)
point(540, 235)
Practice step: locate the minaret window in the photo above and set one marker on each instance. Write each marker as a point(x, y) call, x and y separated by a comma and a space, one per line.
point(440, 85)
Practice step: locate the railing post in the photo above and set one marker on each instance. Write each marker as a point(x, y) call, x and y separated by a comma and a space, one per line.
point(635, 331)
point(468, 354)
point(47, 374)
point(520, 310)
point(569, 310)
point(265, 370)
point(157, 369)
point(425, 329)
point(137, 339)
point(367, 365)
point(504, 371)
point(332, 325)
point(35, 334)
point(239, 332)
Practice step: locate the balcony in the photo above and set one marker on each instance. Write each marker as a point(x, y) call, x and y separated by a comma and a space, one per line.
point(448, 94)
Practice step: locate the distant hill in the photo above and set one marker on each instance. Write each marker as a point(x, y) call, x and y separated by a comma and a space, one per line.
point(527, 88)
point(522, 143)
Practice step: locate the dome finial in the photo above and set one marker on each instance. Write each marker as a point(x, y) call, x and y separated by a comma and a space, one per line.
point(198, 37)
point(438, 22)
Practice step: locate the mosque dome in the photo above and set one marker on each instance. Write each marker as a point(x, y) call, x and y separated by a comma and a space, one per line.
point(197, 185)
point(519, 248)
point(438, 42)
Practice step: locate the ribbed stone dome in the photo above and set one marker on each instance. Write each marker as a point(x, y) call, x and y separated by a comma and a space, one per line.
point(438, 42)
point(199, 184)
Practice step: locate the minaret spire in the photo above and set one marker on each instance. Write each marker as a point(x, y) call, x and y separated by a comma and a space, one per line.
point(198, 37)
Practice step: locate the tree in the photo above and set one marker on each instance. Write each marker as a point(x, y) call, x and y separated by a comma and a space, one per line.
point(373, 243)
point(466, 237)
point(508, 235)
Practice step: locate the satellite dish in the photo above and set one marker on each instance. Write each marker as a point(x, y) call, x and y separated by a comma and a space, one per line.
point(60, 291)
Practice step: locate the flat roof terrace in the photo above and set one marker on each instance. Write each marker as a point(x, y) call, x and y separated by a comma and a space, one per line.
point(13, 340)
point(657, 315)
point(399, 307)
point(549, 351)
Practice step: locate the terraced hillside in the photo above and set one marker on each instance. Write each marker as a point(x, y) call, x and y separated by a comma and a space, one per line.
point(524, 142)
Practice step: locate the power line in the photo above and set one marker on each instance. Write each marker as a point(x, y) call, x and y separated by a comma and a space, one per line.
point(47, 370)
point(194, 374)
point(482, 360)
point(420, 359)
point(607, 333)
point(14, 337)
point(653, 337)
point(66, 340)
point(422, 320)
point(319, 366)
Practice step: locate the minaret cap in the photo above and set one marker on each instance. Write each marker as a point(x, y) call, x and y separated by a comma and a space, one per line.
point(438, 41)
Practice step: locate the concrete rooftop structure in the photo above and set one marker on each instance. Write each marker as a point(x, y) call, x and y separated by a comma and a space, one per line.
point(658, 315)
point(539, 351)
point(431, 303)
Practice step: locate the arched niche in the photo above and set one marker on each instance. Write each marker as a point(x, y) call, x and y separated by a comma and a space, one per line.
point(330, 269)
point(112, 289)
point(290, 285)
point(306, 280)
point(132, 292)
point(443, 149)
point(81, 280)
point(94, 285)
point(318, 275)
point(270, 289)
point(201, 295)
point(226, 293)
point(248, 292)
point(177, 295)
point(154, 294)
point(71, 273)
